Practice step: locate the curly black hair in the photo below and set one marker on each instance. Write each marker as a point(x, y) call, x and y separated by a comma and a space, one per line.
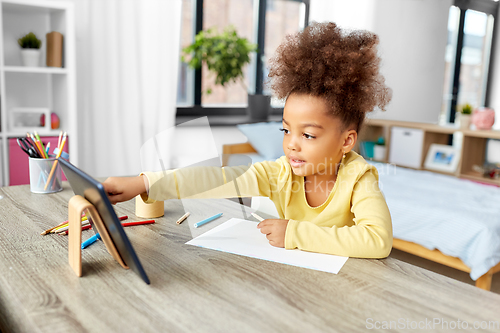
point(338, 65)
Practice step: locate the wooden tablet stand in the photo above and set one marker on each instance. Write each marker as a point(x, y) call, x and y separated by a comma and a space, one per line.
point(76, 206)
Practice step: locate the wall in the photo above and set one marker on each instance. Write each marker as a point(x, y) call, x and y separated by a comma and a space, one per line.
point(354, 14)
point(495, 75)
point(412, 47)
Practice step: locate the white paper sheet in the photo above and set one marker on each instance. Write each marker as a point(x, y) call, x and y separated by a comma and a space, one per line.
point(242, 237)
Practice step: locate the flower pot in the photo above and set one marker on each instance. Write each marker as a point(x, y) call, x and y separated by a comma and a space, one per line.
point(258, 107)
point(464, 120)
point(31, 57)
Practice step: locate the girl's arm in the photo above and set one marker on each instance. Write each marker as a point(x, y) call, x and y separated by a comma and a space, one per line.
point(369, 237)
point(199, 182)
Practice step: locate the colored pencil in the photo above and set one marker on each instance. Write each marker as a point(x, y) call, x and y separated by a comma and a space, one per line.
point(91, 240)
point(37, 145)
point(85, 227)
point(32, 144)
point(94, 238)
point(49, 230)
point(211, 218)
point(182, 218)
point(55, 162)
point(60, 138)
point(60, 225)
point(41, 145)
point(66, 227)
point(84, 221)
point(131, 224)
point(258, 217)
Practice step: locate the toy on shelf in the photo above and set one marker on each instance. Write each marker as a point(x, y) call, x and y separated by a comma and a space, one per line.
point(483, 118)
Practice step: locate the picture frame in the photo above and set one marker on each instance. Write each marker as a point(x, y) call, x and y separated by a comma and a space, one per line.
point(492, 151)
point(28, 119)
point(442, 158)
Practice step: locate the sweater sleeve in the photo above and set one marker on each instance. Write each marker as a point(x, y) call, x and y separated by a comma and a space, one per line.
point(204, 182)
point(370, 236)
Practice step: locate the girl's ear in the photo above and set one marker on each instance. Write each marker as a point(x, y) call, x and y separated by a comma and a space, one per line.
point(350, 140)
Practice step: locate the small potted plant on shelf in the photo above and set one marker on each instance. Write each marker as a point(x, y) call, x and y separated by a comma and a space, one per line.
point(225, 55)
point(465, 116)
point(30, 49)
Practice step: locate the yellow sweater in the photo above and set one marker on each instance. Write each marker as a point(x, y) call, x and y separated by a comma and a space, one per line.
point(354, 221)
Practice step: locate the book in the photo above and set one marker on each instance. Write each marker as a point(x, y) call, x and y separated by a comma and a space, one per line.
point(54, 49)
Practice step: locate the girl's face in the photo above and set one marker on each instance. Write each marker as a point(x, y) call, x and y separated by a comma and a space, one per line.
point(313, 140)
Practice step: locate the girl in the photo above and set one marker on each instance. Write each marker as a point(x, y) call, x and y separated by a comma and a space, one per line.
point(327, 195)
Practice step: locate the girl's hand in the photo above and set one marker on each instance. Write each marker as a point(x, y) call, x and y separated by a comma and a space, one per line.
point(274, 229)
point(124, 188)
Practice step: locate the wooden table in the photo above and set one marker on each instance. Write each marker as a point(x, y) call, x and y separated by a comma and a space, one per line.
point(200, 290)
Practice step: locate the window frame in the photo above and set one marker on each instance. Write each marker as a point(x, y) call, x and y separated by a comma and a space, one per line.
point(238, 113)
point(488, 7)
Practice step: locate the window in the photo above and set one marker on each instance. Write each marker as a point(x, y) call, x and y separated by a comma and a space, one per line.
point(467, 57)
point(185, 81)
point(220, 14)
point(264, 22)
point(282, 18)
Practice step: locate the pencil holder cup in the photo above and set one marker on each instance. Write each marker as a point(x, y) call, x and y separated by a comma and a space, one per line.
point(42, 178)
point(148, 210)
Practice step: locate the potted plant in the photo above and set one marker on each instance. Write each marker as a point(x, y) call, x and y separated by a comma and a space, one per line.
point(225, 55)
point(465, 116)
point(30, 49)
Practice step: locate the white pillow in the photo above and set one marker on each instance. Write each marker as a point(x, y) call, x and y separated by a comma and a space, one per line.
point(266, 138)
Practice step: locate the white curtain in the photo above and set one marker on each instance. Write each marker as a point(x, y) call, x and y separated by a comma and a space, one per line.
point(127, 60)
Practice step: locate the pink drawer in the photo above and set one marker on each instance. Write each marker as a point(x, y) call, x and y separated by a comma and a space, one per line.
point(18, 160)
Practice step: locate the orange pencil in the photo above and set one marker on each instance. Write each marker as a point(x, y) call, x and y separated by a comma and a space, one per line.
point(37, 146)
point(55, 162)
point(42, 147)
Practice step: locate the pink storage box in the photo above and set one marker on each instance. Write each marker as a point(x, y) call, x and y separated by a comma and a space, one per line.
point(19, 173)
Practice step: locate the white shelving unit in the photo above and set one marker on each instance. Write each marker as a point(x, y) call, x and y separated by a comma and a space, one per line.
point(36, 87)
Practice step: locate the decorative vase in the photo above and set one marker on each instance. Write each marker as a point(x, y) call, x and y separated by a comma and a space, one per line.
point(31, 57)
point(258, 107)
point(464, 120)
point(483, 118)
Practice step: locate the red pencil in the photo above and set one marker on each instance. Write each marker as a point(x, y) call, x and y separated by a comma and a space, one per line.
point(129, 224)
point(125, 224)
point(85, 227)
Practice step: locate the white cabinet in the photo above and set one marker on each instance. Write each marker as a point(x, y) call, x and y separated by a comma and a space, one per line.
point(52, 88)
point(406, 147)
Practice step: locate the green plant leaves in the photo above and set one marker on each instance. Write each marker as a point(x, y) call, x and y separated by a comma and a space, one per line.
point(466, 109)
point(29, 41)
point(225, 54)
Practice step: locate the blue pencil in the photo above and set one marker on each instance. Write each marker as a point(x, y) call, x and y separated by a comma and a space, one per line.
point(196, 225)
point(91, 240)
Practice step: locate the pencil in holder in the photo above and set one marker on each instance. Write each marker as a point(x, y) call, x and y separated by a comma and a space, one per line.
point(148, 210)
point(39, 175)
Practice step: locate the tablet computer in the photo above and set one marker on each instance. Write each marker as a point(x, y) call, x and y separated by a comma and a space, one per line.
point(92, 190)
